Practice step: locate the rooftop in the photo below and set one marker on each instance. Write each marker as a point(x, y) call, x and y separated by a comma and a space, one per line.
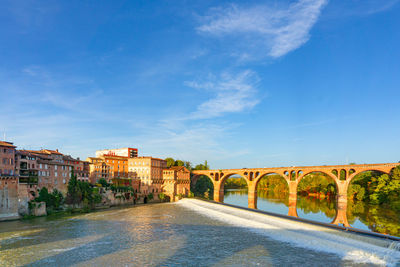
point(7, 144)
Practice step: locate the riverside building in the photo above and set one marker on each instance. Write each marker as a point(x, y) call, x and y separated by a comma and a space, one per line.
point(8, 182)
point(149, 171)
point(176, 181)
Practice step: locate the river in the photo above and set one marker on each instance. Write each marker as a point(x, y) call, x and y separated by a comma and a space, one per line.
point(187, 233)
point(358, 214)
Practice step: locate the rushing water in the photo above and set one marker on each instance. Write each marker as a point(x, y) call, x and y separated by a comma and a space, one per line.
point(188, 233)
point(359, 215)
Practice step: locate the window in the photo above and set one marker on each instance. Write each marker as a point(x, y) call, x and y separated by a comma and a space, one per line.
point(56, 174)
point(45, 166)
point(40, 165)
point(55, 167)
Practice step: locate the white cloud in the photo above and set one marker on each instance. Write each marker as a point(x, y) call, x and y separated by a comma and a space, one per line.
point(265, 30)
point(359, 8)
point(233, 93)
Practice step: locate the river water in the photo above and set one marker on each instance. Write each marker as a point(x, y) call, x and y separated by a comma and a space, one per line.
point(359, 215)
point(187, 233)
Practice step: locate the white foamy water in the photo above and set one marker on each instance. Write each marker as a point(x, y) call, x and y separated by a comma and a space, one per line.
point(349, 246)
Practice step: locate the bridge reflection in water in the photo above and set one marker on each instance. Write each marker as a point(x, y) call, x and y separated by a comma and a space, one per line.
point(342, 175)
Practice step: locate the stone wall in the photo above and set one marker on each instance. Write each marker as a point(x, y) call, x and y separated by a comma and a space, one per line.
point(8, 198)
point(38, 209)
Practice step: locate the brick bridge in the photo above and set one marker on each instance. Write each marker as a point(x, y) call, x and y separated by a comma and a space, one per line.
point(341, 174)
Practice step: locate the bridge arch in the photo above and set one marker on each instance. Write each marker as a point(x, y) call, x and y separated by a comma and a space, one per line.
point(337, 183)
point(219, 186)
point(198, 188)
point(264, 175)
point(229, 175)
point(354, 174)
point(331, 175)
point(195, 177)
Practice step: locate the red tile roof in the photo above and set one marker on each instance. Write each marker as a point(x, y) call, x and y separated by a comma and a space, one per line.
point(7, 144)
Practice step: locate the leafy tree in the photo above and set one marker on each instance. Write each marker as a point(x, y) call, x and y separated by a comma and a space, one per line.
point(53, 200)
point(170, 162)
point(202, 186)
point(204, 166)
point(179, 162)
point(103, 182)
point(73, 194)
point(57, 198)
point(188, 165)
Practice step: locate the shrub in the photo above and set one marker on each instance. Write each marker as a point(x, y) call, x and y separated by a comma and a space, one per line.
point(161, 196)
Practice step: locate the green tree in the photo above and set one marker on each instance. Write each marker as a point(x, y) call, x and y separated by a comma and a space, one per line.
point(170, 162)
point(202, 186)
point(188, 165)
point(103, 182)
point(202, 166)
point(73, 194)
point(179, 162)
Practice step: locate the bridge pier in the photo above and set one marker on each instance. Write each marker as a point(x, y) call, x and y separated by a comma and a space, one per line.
point(252, 199)
point(342, 192)
point(341, 215)
point(292, 206)
point(218, 194)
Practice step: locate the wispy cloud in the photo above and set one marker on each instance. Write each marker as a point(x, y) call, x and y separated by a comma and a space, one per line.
point(265, 30)
point(233, 93)
point(359, 8)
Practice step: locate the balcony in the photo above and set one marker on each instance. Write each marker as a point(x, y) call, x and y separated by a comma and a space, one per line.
point(23, 173)
point(28, 180)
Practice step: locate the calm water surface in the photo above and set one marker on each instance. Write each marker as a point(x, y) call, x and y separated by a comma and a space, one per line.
point(153, 235)
point(359, 215)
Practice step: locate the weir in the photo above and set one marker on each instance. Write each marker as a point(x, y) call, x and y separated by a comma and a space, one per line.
point(350, 246)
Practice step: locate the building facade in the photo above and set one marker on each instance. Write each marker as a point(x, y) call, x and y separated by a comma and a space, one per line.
point(8, 182)
point(176, 181)
point(80, 167)
point(149, 171)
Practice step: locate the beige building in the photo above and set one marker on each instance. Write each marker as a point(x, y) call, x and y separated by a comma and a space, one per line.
point(176, 181)
point(149, 171)
point(98, 169)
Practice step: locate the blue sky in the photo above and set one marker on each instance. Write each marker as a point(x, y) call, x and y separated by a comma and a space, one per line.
point(237, 83)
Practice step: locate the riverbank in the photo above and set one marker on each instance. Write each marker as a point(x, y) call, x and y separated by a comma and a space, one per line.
point(76, 211)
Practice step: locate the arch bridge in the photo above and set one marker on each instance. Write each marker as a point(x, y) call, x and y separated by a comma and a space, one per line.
point(342, 175)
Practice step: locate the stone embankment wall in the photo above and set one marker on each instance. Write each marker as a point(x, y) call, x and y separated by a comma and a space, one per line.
point(38, 209)
point(8, 199)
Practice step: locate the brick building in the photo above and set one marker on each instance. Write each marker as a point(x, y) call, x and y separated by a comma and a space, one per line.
point(80, 167)
point(176, 181)
point(149, 171)
point(8, 182)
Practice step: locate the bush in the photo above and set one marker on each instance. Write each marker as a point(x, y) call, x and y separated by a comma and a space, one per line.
point(103, 182)
point(161, 197)
point(150, 196)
